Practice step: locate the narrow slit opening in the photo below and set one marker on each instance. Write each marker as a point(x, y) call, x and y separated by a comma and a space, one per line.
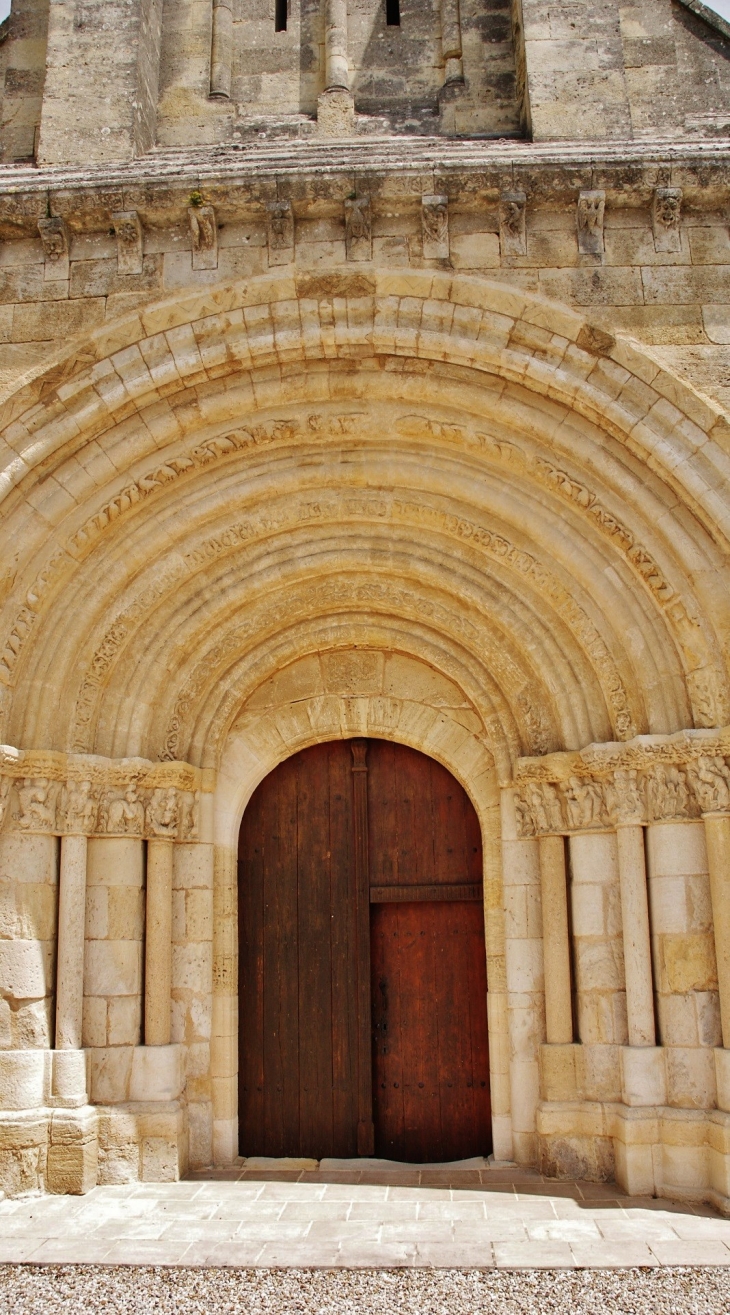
point(280, 15)
point(392, 13)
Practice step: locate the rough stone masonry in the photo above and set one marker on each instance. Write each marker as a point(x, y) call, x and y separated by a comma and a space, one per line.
point(364, 371)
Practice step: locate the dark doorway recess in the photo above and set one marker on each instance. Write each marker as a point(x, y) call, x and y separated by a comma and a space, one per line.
point(363, 1016)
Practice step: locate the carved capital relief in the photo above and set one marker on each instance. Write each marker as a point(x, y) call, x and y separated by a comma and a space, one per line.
point(64, 794)
point(56, 245)
point(435, 227)
point(358, 228)
point(589, 219)
point(652, 779)
point(128, 230)
point(512, 213)
point(666, 212)
point(280, 232)
point(203, 236)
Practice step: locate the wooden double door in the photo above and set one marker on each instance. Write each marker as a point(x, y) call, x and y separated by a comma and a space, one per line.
point(363, 1014)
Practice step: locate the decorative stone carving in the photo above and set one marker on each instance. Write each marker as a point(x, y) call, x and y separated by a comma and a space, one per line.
point(124, 814)
point(710, 778)
point(358, 228)
point(56, 245)
point(512, 212)
point(546, 808)
point(626, 796)
point(591, 205)
point(4, 797)
point(37, 800)
point(585, 804)
point(666, 212)
point(280, 232)
point(162, 814)
point(189, 815)
point(204, 236)
point(128, 230)
point(668, 794)
point(79, 808)
point(435, 227)
point(523, 816)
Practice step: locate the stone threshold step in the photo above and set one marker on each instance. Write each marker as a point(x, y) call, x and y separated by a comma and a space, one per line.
point(332, 1165)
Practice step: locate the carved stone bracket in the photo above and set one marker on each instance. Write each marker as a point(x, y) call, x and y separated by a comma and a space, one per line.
point(589, 218)
point(512, 212)
point(648, 779)
point(62, 794)
point(666, 210)
point(280, 232)
point(128, 232)
point(204, 236)
point(56, 244)
point(435, 227)
point(358, 228)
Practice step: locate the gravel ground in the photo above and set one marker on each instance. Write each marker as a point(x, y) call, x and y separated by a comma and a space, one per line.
point(127, 1290)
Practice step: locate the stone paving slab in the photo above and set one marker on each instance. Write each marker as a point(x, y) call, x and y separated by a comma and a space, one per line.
point(479, 1219)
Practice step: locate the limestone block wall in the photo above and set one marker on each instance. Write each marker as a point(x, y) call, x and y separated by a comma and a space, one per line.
point(22, 77)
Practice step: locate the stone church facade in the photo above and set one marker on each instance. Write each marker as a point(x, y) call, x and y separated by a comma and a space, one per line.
point(365, 373)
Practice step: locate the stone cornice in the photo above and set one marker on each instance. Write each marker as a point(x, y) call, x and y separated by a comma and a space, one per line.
point(396, 172)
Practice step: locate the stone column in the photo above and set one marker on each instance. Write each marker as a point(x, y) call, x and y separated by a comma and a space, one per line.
point(158, 943)
point(717, 838)
point(221, 49)
point(636, 935)
point(70, 963)
point(684, 960)
point(451, 41)
point(556, 941)
point(337, 70)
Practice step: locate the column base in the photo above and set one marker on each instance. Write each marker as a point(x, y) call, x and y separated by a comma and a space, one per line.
point(73, 1150)
point(643, 1076)
point(69, 1079)
point(336, 113)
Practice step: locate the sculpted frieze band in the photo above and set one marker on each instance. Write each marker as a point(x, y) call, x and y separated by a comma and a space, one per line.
point(652, 779)
point(64, 794)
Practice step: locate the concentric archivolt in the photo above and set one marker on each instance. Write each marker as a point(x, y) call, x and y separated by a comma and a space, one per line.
point(423, 465)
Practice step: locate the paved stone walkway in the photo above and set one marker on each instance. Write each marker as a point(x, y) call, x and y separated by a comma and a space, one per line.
point(362, 1217)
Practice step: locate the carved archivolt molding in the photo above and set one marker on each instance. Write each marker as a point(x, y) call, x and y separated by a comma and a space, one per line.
point(651, 779)
point(63, 794)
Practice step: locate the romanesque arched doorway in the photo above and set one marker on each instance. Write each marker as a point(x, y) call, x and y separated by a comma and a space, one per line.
point(363, 1019)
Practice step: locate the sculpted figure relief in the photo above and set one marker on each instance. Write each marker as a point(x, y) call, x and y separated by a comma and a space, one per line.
point(162, 813)
point(189, 815)
point(80, 807)
point(668, 793)
point(585, 805)
point(5, 784)
point(627, 801)
point(523, 816)
point(710, 778)
point(546, 808)
point(37, 799)
point(125, 815)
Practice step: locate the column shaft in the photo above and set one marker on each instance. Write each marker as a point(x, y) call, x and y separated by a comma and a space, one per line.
point(337, 71)
point(556, 941)
point(451, 40)
point(636, 935)
point(70, 964)
point(717, 837)
point(158, 943)
point(221, 49)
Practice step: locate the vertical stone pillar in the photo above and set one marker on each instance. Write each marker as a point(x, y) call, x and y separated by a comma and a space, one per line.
point(70, 963)
point(600, 986)
point(337, 69)
point(221, 49)
point(192, 987)
point(158, 943)
point(113, 964)
point(636, 935)
point(556, 941)
point(106, 108)
point(451, 41)
point(224, 1043)
point(684, 960)
point(28, 892)
point(717, 838)
point(524, 979)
